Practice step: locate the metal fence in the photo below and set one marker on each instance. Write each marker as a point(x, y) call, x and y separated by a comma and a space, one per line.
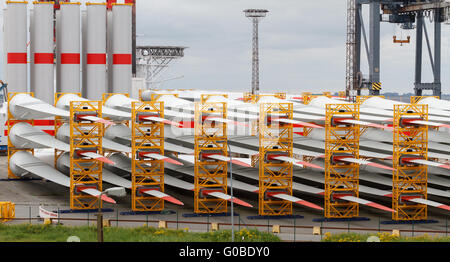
point(295, 228)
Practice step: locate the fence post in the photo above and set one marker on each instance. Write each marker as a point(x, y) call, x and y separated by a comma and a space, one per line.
point(146, 220)
point(177, 219)
point(379, 225)
point(58, 215)
point(117, 217)
point(207, 223)
point(268, 224)
point(87, 218)
point(239, 222)
point(29, 213)
point(446, 226)
point(412, 228)
point(321, 228)
point(294, 228)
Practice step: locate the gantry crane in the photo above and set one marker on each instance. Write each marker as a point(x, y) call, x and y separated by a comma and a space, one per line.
point(409, 14)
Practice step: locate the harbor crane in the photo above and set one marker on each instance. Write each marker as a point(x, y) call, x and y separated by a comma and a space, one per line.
point(409, 14)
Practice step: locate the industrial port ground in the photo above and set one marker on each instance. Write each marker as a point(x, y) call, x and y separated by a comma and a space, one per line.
point(28, 195)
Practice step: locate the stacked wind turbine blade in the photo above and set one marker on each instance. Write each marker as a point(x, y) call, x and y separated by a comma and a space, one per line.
point(22, 162)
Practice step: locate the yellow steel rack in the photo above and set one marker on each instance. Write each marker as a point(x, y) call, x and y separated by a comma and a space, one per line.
point(361, 99)
point(210, 174)
point(85, 136)
point(307, 97)
point(147, 138)
point(341, 178)
point(10, 123)
point(59, 121)
point(417, 99)
point(275, 139)
point(409, 179)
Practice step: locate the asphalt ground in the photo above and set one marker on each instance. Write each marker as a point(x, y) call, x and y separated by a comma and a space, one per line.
point(29, 195)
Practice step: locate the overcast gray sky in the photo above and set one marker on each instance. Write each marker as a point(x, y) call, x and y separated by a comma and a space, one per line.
point(302, 45)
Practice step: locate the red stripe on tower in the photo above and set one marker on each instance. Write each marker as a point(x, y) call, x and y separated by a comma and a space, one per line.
point(122, 59)
point(17, 58)
point(43, 58)
point(96, 59)
point(72, 59)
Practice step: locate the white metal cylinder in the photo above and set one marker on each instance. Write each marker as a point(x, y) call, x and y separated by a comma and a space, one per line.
point(15, 33)
point(70, 47)
point(42, 51)
point(121, 48)
point(96, 51)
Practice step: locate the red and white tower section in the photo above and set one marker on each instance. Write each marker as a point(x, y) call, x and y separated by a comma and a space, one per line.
point(121, 48)
point(69, 46)
point(95, 51)
point(42, 41)
point(15, 33)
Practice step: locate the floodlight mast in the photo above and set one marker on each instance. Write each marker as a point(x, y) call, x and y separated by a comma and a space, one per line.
point(255, 15)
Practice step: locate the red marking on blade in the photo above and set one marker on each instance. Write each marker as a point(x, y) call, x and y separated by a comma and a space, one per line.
point(240, 202)
point(381, 126)
point(302, 124)
point(172, 123)
point(108, 199)
point(321, 193)
point(296, 97)
point(310, 165)
point(236, 123)
point(375, 205)
point(445, 166)
point(388, 195)
point(309, 204)
point(103, 121)
point(173, 200)
point(172, 161)
point(104, 160)
point(444, 207)
point(380, 166)
point(240, 163)
point(390, 157)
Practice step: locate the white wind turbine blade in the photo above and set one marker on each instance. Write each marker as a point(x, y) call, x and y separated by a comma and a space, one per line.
point(25, 161)
point(163, 158)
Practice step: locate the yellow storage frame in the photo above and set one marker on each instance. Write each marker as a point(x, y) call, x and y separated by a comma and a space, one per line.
point(210, 174)
point(341, 177)
point(10, 123)
point(147, 136)
point(417, 99)
point(205, 97)
point(275, 176)
point(7, 211)
point(361, 99)
point(410, 179)
point(85, 135)
point(307, 97)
